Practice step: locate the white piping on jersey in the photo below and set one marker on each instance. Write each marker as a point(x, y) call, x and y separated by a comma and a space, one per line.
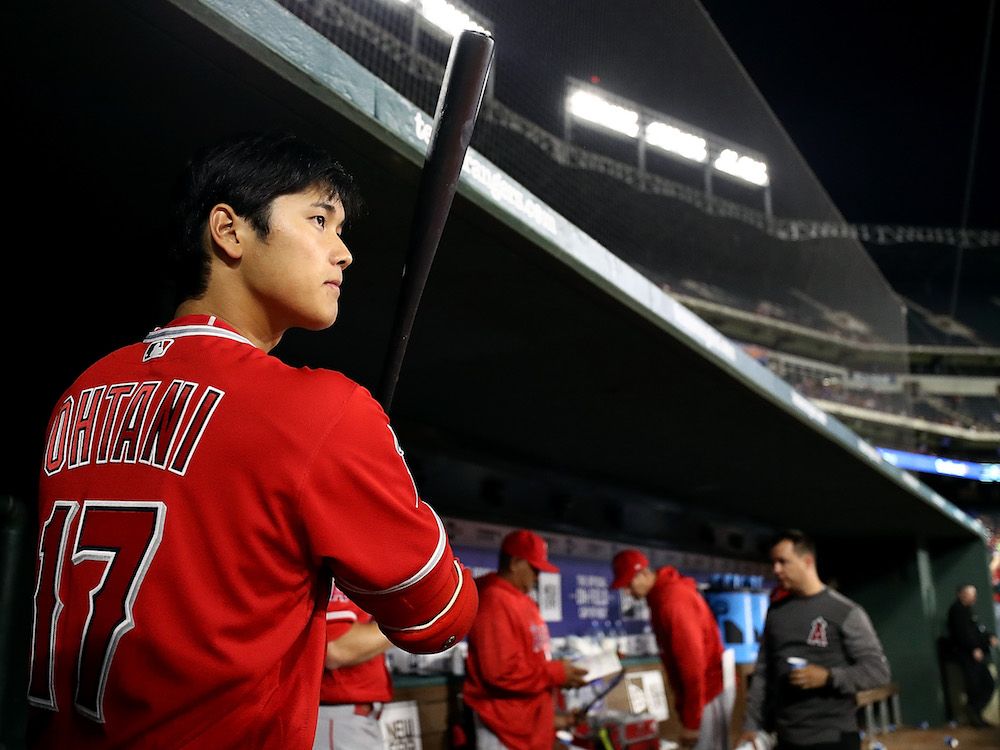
point(342, 616)
point(182, 331)
point(428, 567)
point(439, 615)
point(402, 457)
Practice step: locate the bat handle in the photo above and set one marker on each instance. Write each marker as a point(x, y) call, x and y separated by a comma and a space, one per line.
point(457, 110)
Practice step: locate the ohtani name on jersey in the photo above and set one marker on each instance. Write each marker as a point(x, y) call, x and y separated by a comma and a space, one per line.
point(127, 423)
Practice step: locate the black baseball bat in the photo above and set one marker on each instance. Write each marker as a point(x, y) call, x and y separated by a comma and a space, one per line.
point(454, 120)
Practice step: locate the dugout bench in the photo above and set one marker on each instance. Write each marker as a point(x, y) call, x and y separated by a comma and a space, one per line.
point(881, 709)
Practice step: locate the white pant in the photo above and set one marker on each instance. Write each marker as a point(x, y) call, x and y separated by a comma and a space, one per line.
point(485, 739)
point(339, 728)
point(715, 720)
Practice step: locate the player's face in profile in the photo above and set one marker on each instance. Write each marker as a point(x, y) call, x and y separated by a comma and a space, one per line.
point(530, 579)
point(525, 575)
point(641, 583)
point(295, 272)
point(788, 566)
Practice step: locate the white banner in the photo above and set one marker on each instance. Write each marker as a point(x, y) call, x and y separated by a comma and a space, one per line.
point(400, 724)
point(550, 596)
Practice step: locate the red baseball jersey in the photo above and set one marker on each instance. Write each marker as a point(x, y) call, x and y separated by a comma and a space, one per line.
point(366, 682)
point(511, 681)
point(196, 495)
point(690, 643)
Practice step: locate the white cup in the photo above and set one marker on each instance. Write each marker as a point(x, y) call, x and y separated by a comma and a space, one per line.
point(796, 662)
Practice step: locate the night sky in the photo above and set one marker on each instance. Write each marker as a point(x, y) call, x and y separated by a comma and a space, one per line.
point(880, 99)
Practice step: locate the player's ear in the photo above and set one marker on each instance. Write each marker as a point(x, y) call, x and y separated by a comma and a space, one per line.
point(224, 226)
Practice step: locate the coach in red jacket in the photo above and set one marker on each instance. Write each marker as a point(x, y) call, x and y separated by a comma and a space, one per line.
point(690, 647)
point(511, 679)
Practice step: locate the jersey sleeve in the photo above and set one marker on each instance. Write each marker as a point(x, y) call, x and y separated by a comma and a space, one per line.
point(387, 548)
point(756, 717)
point(867, 666)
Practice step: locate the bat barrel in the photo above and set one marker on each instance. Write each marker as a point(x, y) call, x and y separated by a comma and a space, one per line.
point(458, 106)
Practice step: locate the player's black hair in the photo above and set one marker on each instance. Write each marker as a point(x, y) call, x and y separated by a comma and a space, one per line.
point(247, 171)
point(801, 541)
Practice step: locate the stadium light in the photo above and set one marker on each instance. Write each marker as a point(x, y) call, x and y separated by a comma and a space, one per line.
point(447, 16)
point(596, 109)
point(676, 141)
point(742, 166)
point(587, 102)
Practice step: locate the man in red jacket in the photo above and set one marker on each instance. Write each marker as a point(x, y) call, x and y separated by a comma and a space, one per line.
point(511, 679)
point(690, 647)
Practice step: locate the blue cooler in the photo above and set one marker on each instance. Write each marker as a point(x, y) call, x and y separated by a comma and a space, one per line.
point(740, 615)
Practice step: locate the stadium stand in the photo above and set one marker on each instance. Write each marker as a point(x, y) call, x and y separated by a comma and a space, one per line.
point(678, 433)
point(716, 253)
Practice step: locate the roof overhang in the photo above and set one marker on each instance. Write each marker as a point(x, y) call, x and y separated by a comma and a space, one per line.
point(532, 343)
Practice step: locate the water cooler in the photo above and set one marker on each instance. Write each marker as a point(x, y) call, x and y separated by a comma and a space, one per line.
point(740, 606)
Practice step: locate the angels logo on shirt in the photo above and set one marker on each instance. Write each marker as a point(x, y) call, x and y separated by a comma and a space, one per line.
point(338, 596)
point(817, 633)
point(540, 638)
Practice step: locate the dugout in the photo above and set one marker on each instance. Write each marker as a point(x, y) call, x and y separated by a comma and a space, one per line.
point(547, 382)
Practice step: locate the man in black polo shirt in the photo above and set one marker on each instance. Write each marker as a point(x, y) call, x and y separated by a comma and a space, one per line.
point(818, 650)
point(972, 642)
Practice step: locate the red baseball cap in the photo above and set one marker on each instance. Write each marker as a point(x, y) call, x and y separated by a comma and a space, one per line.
point(528, 546)
point(625, 565)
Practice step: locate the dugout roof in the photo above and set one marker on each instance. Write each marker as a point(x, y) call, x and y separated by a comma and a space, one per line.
point(532, 345)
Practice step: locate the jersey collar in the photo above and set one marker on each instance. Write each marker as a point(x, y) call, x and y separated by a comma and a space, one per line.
point(196, 325)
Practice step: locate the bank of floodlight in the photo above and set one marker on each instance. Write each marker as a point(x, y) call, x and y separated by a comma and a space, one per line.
point(594, 108)
point(587, 102)
point(677, 141)
point(447, 16)
point(742, 166)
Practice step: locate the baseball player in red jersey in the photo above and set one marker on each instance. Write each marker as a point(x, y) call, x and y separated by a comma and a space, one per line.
point(197, 494)
point(512, 682)
point(690, 647)
point(356, 681)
